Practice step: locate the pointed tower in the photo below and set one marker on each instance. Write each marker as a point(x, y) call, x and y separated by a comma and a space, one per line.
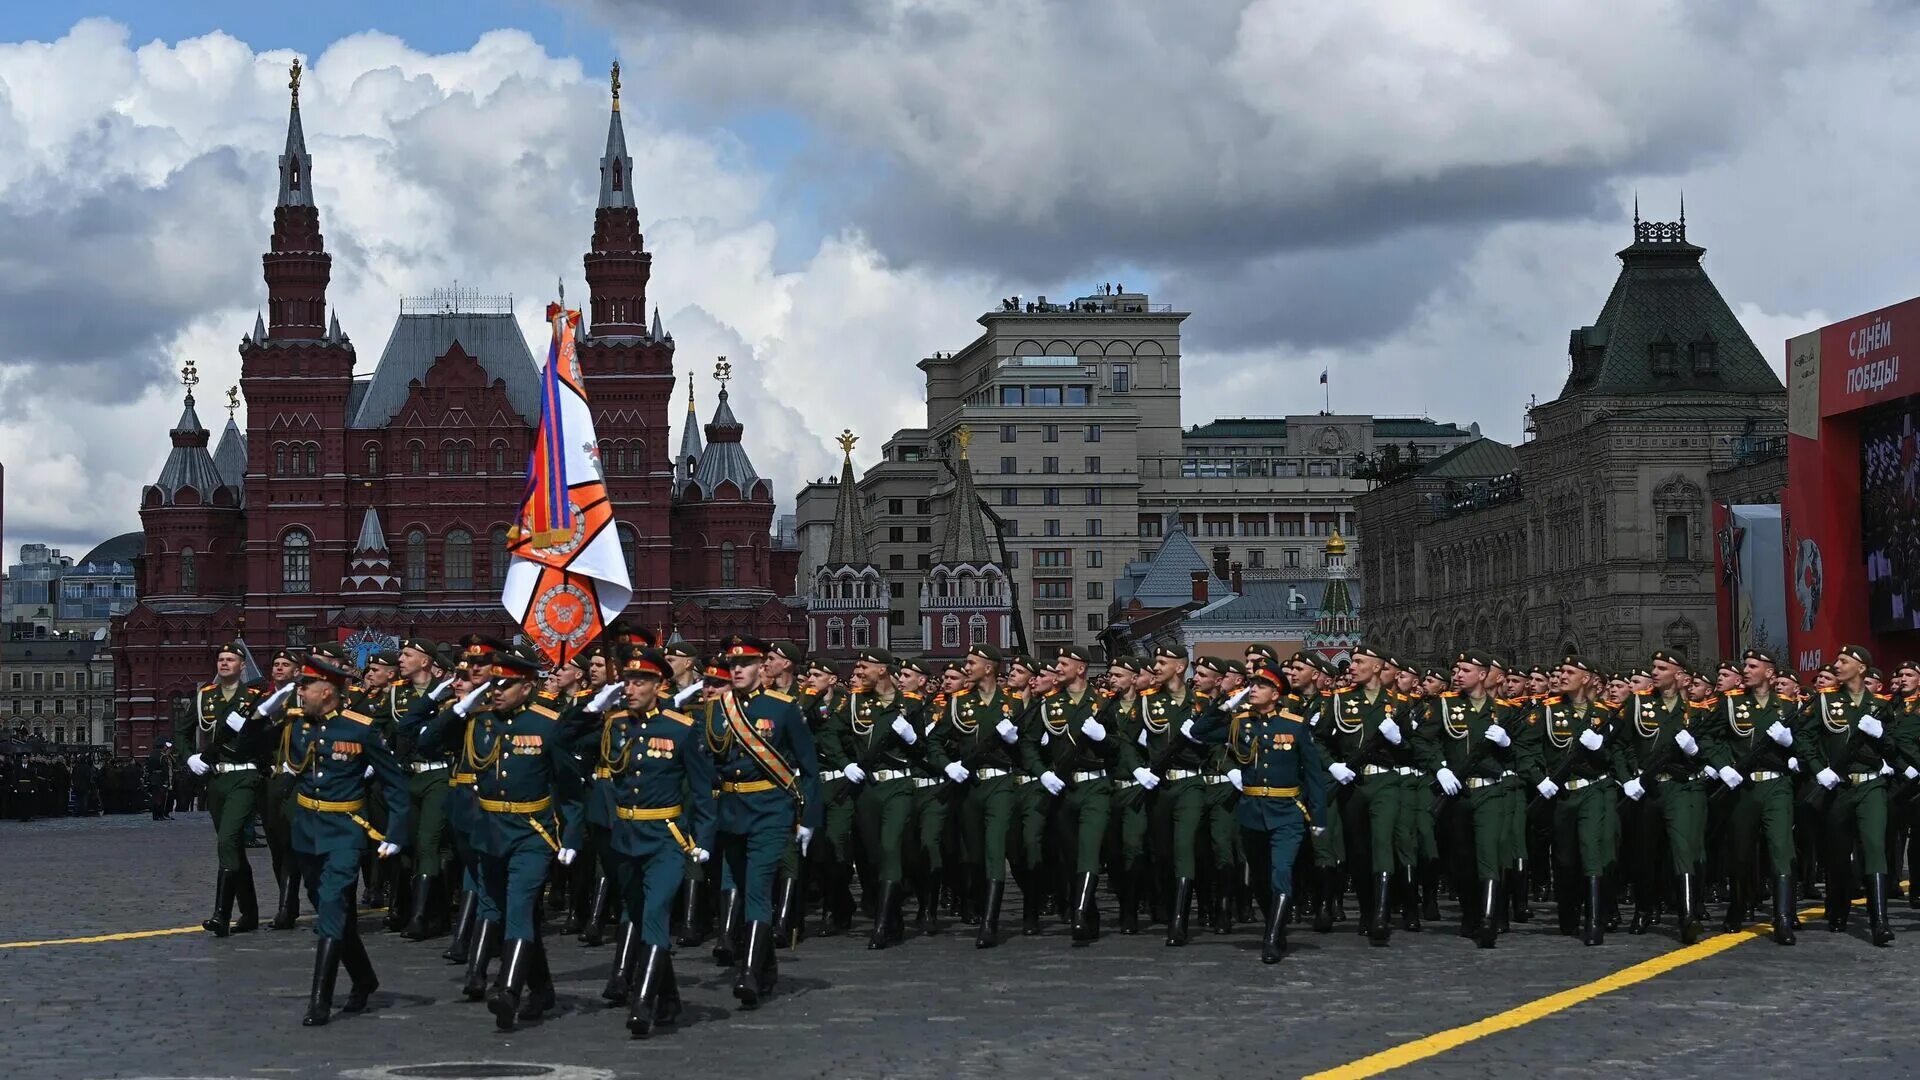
point(370, 571)
point(628, 369)
point(848, 600)
point(689, 457)
point(297, 264)
point(191, 516)
point(1336, 631)
point(230, 456)
point(965, 600)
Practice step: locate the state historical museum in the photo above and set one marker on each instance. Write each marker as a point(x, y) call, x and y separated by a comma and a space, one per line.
point(376, 507)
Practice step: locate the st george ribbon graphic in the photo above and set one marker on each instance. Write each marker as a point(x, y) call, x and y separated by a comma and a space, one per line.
point(568, 577)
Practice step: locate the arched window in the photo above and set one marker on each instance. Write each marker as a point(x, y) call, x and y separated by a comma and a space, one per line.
point(373, 459)
point(727, 570)
point(836, 633)
point(629, 550)
point(977, 630)
point(279, 459)
point(950, 632)
point(860, 640)
point(449, 457)
point(416, 572)
point(497, 557)
point(457, 559)
point(499, 455)
point(313, 459)
point(189, 571)
point(416, 455)
point(296, 561)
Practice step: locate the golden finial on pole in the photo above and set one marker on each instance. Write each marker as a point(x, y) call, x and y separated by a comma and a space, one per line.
point(233, 400)
point(690, 409)
point(293, 80)
point(616, 85)
point(190, 378)
point(723, 372)
point(963, 437)
point(847, 439)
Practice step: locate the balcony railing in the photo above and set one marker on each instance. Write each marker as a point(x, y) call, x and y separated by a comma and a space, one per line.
point(1754, 449)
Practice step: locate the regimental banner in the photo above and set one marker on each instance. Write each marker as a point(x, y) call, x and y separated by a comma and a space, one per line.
point(568, 576)
point(363, 642)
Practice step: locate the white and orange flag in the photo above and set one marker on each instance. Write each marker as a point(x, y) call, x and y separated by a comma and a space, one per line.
point(568, 576)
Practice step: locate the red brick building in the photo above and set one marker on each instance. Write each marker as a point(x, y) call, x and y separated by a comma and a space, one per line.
point(374, 507)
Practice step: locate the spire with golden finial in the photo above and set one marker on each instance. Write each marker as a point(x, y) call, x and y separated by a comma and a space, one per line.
point(190, 378)
point(616, 86)
point(963, 438)
point(689, 397)
point(847, 439)
point(233, 400)
point(293, 80)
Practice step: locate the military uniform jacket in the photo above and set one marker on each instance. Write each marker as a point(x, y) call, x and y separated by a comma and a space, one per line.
point(968, 731)
point(1456, 739)
point(1275, 752)
point(1740, 722)
point(1125, 723)
point(207, 731)
point(328, 758)
point(1833, 722)
point(1645, 740)
point(777, 721)
point(1552, 748)
point(1162, 747)
point(1349, 730)
point(1056, 743)
point(394, 709)
point(654, 762)
point(860, 732)
point(516, 761)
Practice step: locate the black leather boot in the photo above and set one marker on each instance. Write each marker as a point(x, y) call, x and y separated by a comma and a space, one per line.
point(1487, 928)
point(668, 1010)
point(1736, 916)
point(1382, 928)
point(420, 922)
point(885, 899)
point(326, 968)
point(692, 930)
point(626, 952)
point(353, 956)
point(1274, 945)
point(1840, 899)
point(1690, 924)
point(503, 997)
point(726, 942)
point(1177, 918)
point(1783, 909)
point(1214, 906)
point(397, 897)
point(1595, 915)
point(1519, 908)
point(1030, 905)
point(1880, 926)
point(789, 913)
point(647, 992)
point(486, 945)
point(1127, 886)
point(1086, 909)
point(594, 933)
point(926, 915)
point(246, 902)
point(750, 986)
point(221, 922)
point(989, 934)
point(463, 923)
point(539, 997)
point(1328, 880)
point(286, 914)
point(1430, 890)
point(1409, 882)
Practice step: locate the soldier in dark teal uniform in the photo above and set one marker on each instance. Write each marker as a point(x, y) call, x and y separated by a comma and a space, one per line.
point(332, 753)
point(1282, 784)
point(769, 793)
point(232, 752)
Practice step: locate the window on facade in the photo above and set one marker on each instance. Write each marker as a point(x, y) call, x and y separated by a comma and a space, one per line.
point(1092, 433)
point(455, 458)
point(279, 459)
point(297, 635)
point(1049, 558)
point(1053, 623)
point(373, 459)
point(313, 459)
point(1050, 527)
point(1013, 395)
point(1050, 465)
point(1122, 378)
point(416, 456)
point(59, 681)
point(296, 561)
point(1293, 557)
point(896, 534)
point(416, 562)
point(497, 557)
point(896, 506)
point(1149, 526)
point(1661, 354)
point(896, 562)
point(1095, 558)
point(1009, 433)
point(836, 633)
point(923, 534)
point(1049, 432)
point(1010, 496)
point(950, 632)
point(457, 559)
point(1050, 496)
point(924, 561)
point(1256, 558)
point(1095, 623)
point(1093, 463)
point(499, 456)
point(897, 589)
point(1077, 395)
point(1053, 589)
point(189, 570)
point(860, 636)
point(728, 570)
point(1009, 464)
point(1676, 537)
point(1096, 527)
point(1096, 590)
point(1095, 496)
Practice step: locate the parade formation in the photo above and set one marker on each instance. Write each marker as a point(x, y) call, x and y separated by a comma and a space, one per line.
point(646, 800)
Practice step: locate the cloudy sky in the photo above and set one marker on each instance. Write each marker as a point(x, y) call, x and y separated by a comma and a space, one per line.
point(1422, 196)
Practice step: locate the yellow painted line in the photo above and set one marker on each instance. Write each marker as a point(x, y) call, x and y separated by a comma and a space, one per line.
point(134, 935)
point(1521, 1015)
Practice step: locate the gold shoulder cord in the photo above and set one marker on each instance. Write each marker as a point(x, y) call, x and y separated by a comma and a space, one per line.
point(1233, 743)
point(618, 768)
point(473, 758)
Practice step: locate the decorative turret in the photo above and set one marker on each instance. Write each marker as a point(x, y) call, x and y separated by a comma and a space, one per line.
point(1336, 631)
point(847, 601)
point(190, 477)
point(964, 599)
point(618, 264)
point(370, 570)
point(848, 545)
point(297, 264)
point(230, 456)
point(723, 470)
point(690, 446)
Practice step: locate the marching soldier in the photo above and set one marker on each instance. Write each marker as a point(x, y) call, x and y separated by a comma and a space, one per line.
point(1660, 756)
point(232, 753)
point(1215, 679)
point(1076, 755)
point(871, 741)
point(1364, 743)
point(333, 752)
point(932, 790)
point(1179, 802)
point(158, 777)
point(1470, 750)
point(279, 805)
point(1849, 728)
point(1132, 783)
point(1568, 760)
point(977, 749)
point(1761, 737)
point(831, 861)
point(781, 671)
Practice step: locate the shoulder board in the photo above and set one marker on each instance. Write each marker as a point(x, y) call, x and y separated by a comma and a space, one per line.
point(357, 717)
point(1734, 693)
point(210, 686)
point(1511, 703)
point(1053, 694)
point(677, 717)
point(542, 710)
point(1449, 693)
point(1149, 691)
point(1243, 714)
point(778, 695)
point(1883, 697)
point(1550, 701)
point(1293, 716)
point(543, 694)
point(1643, 693)
point(962, 692)
point(911, 696)
point(583, 695)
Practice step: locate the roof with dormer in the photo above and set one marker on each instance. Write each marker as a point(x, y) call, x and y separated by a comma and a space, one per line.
point(417, 340)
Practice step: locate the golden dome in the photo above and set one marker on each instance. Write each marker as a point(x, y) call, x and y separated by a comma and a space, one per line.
point(1335, 545)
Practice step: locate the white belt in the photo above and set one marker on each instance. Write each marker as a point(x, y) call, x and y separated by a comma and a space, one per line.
point(1477, 782)
point(1084, 777)
point(1756, 777)
point(1862, 777)
point(235, 768)
point(1375, 770)
point(1407, 770)
point(1214, 778)
point(831, 774)
point(1126, 783)
point(925, 782)
point(1576, 785)
point(989, 774)
point(1021, 778)
point(881, 776)
point(1184, 774)
point(428, 766)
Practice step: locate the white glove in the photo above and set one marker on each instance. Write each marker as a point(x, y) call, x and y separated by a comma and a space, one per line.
point(387, 849)
point(1390, 731)
point(1238, 696)
point(465, 705)
point(276, 699)
point(368, 775)
point(1911, 773)
point(439, 693)
point(1886, 769)
point(903, 728)
point(1009, 734)
point(1146, 778)
point(1341, 772)
point(1827, 778)
point(566, 856)
point(1778, 732)
point(686, 695)
point(1793, 764)
point(1233, 777)
point(700, 854)
point(235, 721)
point(198, 765)
point(1449, 783)
point(1186, 729)
point(604, 698)
point(804, 835)
point(1730, 776)
point(1870, 726)
point(1592, 739)
point(1319, 831)
point(1142, 740)
point(1547, 788)
point(956, 772)
point(1498, 736)
point(856, 774)
point(1634, 789)
point(1093, 729)
point(1684, 740)
point(1052, 783)
point(288, 769)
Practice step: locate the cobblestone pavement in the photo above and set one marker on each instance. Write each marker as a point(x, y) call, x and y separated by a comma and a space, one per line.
point(190, 1005)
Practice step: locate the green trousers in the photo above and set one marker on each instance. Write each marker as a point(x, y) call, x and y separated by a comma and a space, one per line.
point(1176, 815)
point(1416, 818)
point(1762, 813)
point(932, 811)
point(1080, 822)
point(1032, 808)
point(1858, 816)
point(986, 823)
point(232, 798)
point(1679, 810)
point(1218, 802)
point(1582, 829)
point(835, 842)
point(1127, 825)
point(1492, 813)
point(1330, 847)
point(428, 847)
point(884, 811)
point(1372, 812)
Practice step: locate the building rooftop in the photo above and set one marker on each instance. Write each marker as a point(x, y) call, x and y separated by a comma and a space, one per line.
point(120, 549)
point(422, 334)
point(1275, 427)
point(1480, 459)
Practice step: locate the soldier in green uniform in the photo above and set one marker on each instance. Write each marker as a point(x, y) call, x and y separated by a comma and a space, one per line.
point(1469, 749)
point(1074, 748)
point(1132, 787)
point(1216, 679)
point(1848, 726)
point(1905, 760)
point(870, 741)
point(769, 793)
point(476, 936)
point(1364, 745)
point(514, 748)
point(1760, 736)
point(1282, 785)
point(660, 776)
point(232, 754)
point(337, 756)
point(1028, 683)
point(1566, 758)
point(781, 672)
point(831, 860)
point(1659, 758)
point(1179, 803)
point(391, 707)
point(933, 792)
point(975, 748)
point(277, 804)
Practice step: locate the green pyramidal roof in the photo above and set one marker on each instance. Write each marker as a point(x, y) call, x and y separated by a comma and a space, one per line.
point(1665, 328)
